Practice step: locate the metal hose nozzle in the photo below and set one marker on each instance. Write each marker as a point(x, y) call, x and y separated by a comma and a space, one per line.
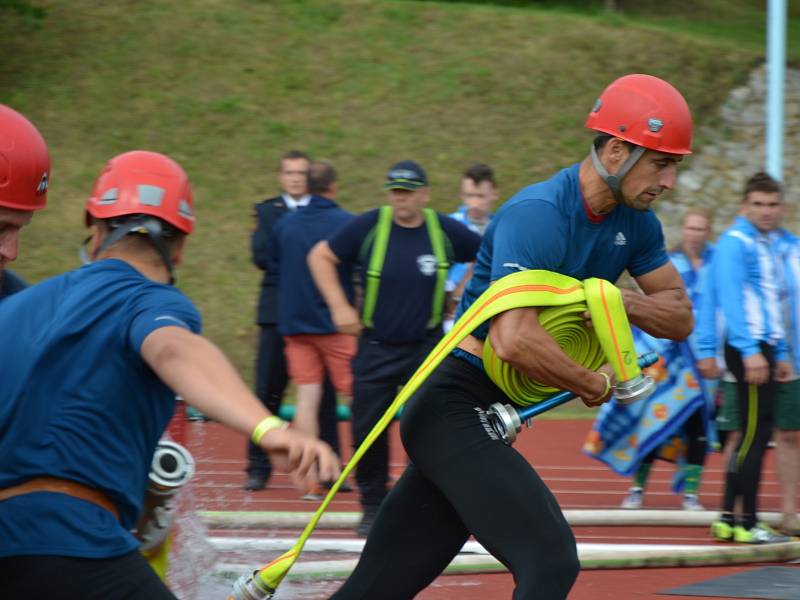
point(171, 469)
point(249, 587)
point(635, 389)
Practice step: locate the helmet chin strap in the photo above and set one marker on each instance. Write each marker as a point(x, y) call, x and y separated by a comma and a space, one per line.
point(614, 182)
point(154, 230)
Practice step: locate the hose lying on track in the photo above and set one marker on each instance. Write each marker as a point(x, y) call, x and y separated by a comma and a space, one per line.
point(565, 299)
point(612, 556)
point(611, 517)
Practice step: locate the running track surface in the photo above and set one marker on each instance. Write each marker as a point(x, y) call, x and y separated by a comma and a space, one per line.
point(553, 447)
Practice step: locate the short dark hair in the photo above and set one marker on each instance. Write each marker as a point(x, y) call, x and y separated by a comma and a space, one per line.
point(321, 176)
point(762, 182)
point(601, 139)
point(292, 155)
point(480, 172)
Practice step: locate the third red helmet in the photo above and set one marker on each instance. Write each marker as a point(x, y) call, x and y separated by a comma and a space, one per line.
point(645, 111)
point(24, 163)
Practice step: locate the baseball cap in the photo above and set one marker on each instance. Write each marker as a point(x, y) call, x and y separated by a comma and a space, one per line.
point(405, 175)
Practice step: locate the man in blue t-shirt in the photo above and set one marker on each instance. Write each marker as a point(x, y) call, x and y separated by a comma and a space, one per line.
point(25, 176)
point(590, 220)
point(401, 320)
point(90, 363)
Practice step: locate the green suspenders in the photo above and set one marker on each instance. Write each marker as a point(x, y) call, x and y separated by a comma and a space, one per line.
point(375, 266)
point(436, 237)
point(379, 237)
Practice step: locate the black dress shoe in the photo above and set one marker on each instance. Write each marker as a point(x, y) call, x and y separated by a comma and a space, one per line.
point(367, 519)
point(345, 487)
point(255, 482)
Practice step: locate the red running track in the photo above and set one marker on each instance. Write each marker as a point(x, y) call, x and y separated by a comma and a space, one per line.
point(553, 447)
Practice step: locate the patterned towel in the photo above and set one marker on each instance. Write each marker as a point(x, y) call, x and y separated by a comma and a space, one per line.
point(624, 435)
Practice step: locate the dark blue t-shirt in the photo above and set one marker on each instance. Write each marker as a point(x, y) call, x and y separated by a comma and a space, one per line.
point(301, 307)
point(545, 226)
point(78, 402)
point(405, 296)
point(10, 283)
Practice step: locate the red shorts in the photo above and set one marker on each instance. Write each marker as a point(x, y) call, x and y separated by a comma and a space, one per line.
point(310, 355)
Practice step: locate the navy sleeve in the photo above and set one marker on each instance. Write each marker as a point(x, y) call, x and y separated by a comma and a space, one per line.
point(158, 307)
point(465, 242)
point(260, 237)
point(10, 283)
point(651, 251)
point(272, 250)
point(529, 235)
point(346, 241)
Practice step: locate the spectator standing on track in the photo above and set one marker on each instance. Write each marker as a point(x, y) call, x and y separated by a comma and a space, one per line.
point(313, 347)
point(402, 251)
point(25, 177)
point(463, 479)
point(747, 276)
point(90, 362)
point(271, 373)
point(787, 400)
point(478, 194)
point(691, 258)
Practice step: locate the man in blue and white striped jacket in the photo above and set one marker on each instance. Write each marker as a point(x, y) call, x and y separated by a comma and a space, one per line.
point(747, 277)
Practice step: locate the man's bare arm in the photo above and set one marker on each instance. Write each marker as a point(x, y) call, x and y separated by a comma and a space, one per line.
point(664, 310)
point(322, 263)
point(519, 339)
point(198, 371)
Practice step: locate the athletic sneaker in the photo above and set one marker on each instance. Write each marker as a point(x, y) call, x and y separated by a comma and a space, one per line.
point(761, 533)
point(313, 494)
point(722, 531)
point(790, 525)
point(691, 502)
point(635, 498)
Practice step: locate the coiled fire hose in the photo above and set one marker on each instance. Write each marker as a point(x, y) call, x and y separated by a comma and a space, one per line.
point(564, 299)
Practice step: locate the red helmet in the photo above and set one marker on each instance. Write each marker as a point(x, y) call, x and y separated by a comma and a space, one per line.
point(24, 163)
point(645, 111)
point(143, 183)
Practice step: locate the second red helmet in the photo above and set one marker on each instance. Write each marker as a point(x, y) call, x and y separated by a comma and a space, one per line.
point(143, 183)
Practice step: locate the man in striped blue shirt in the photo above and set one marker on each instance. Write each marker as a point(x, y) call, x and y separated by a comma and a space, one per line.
point(747, 278)
point(478, 194)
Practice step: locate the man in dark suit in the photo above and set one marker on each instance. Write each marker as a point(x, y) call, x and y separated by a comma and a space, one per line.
point(271, 374)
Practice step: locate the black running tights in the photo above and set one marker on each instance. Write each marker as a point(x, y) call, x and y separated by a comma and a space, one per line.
point(463, 480)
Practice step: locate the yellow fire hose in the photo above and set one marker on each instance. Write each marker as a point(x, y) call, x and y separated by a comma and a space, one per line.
point(565, 300)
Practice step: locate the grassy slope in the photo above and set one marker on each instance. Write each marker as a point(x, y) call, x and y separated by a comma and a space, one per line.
point(226, 86)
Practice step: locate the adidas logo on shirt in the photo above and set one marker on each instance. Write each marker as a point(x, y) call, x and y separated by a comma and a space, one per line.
point(620, 239)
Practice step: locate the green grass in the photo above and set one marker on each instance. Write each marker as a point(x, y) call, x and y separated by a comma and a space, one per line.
point(226, 87)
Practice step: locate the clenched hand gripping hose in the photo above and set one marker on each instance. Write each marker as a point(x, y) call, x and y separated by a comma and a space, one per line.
point(565, 300)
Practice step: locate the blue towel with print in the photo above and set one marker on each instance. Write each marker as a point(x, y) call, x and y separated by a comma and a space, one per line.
point(623, 435)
